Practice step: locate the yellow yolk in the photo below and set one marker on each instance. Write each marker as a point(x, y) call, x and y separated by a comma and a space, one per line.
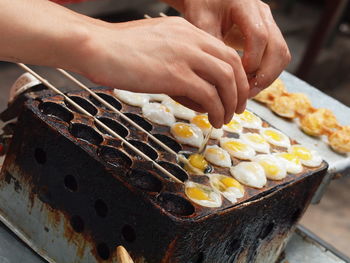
point(216, 152)
point(166, 109)
point(197, 193)
point(247, 116)
point(269, 168)
point(302, 153)
point(256, 138)
point(227, 182)
point(290, 157)
point(201, 121)
point(233, 125)
point(198, 161)
point(274, 135)
point(235, 146)
point(183, 130)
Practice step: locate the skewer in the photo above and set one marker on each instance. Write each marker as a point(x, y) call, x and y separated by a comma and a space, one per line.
point(82, 110)
point(123, 255)
point(205, 141)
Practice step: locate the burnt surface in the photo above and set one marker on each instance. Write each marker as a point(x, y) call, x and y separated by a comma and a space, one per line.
point(112, 197)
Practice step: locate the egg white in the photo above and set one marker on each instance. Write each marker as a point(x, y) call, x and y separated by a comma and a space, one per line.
point(282, 141)
point(308, 157)
point(217, 156)
point(215, 134)
point(247, 153)
point(132, 98)
point(234, 126)
point(158, 97)
point(279, 170)
point(215, 199)
point(249, 173)
point(256, 141)
point(158, 113)
point(196, 138)
point(230, 193)
point(179, 110)
point(249, 120)
point(293, 167)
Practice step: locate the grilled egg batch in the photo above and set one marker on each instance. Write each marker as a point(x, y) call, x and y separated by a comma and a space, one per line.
point(243, 158)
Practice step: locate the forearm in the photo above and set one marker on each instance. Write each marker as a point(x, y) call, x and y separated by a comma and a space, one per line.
point(42, 33)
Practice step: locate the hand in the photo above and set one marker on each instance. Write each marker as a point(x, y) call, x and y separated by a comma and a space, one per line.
point(266, 53)
point(168, 55)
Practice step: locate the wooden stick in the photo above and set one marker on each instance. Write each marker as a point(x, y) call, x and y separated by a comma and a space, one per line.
point(123, 255)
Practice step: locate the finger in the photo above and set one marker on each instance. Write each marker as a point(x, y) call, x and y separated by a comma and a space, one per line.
point(188, 103)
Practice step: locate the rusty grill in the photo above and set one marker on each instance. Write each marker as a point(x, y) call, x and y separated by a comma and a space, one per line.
point(90, 191)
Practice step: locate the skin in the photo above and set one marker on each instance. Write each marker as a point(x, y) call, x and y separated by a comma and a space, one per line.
point(160, 55)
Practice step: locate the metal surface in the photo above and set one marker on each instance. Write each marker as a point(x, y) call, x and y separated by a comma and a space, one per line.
point(338, 163)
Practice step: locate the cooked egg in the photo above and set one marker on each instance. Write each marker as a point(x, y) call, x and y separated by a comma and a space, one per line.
point(203, 123)
point(158, 113)
point(292, 162)
point(187, 134)
point(275, 137)
point(233, 126)
point(132, 98)
point(158, 97)
point(179, 110)
point(307, 157)
point(256, 141)
point(275, 90)
point(237, 148)
point(249, 120)
point(340, 140)
point(198, 161)
point(273, 167)
point(250, 174)
point(202, 195)
point(229, 187)
point(217, 156)
point(322, 121)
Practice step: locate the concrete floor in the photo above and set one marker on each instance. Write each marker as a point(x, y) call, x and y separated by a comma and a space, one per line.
point(330, 219)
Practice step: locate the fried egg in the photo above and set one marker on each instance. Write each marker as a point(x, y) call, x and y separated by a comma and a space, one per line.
point(233, 126)
point(273, 167)
point(340, 140)
point(203, 123)
point(276, 89)
point(179, 110)
point(158, 113)
point(256, 141)
point(250, 174)
point(292, 162)
point(275, 137)
point(217, 156)
point(186, 133)
point(132, 98)
point(249, 120)
point(202, 195)
point(229, 187)
point(307, 157)
point(158, 97)
point(237, 148)
point(198, 161)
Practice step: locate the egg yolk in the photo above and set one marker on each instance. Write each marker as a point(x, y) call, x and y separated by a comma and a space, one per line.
point(256, 138)
point(201, 121)
point(274, 135)
point(233, 125)
point(166, 109)
point(247, 116)
point(197, 193)
point(269, 168)
point(216, 152)
point(198, 161)
point(235, 146)
point(302, 152)
point(290, 157)
point(228, 182)
point(183, 130)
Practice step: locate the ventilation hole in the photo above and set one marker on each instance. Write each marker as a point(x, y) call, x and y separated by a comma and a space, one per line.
point(88, 106)
point(128, 233)
point(148, 150)
point(145, 181)
point(40, 155)
point(170, 142)
point(198, 258)
point(103, 251)
point(115, 126)
point(114, 102)
point(77, 224)
point(85, 133)
point(175, 204)
point(139, 120)
point(296, 215)
point(175, 170)
point(71, 183)
point(101, 208)
point(57, 111)
point(266, 231)
point(115, 157)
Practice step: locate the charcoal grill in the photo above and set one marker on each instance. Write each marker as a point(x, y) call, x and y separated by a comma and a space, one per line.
point(74, 193)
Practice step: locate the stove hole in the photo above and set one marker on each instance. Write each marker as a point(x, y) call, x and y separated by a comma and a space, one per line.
point(115, 157)
point(128, 233)
point(266, 231)
point(40, 155)
point(114, 102)
point(175, 170)
point(71, 183)
point(57, 111)
point(86, 133)
point(170, 142)
point(101, 208)
point(112, 124)
point(88, 106)
point(103, 251)
point(77, 224)
point(145, 181)
point(139, 120)
point(199, 258)
point(175, 204)
point(148, 150)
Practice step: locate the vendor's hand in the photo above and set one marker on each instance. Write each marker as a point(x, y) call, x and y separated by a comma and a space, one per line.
point(168, 55)
point(265, 51)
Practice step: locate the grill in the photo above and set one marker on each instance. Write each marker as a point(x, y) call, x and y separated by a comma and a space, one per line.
point(74, 192)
